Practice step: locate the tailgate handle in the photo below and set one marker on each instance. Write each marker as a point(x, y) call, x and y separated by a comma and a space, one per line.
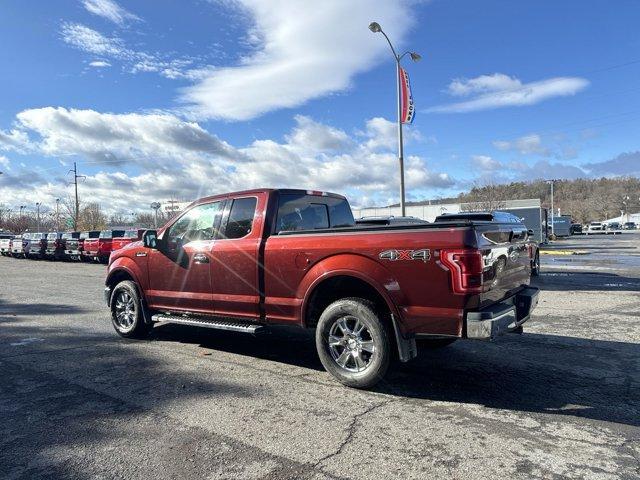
point(200, 258)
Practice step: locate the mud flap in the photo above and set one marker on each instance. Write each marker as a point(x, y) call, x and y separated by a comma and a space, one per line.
point(407, 348)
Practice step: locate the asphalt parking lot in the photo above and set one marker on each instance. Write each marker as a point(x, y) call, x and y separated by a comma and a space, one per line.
point(560, 401)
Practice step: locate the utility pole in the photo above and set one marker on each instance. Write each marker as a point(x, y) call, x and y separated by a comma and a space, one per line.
point(75, 182)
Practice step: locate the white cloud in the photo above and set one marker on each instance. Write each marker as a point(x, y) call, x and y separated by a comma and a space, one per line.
point(147, 157)
point(91, 41)
point(486, 163)
point(110, 10)
point(462, 87)
point(14, 139)
point(499, 90)
point(117, 138)
point(4, 162)
point(99, 64)
point(383, 133)
point(309, 135)
point(526, 145)
point(303, 53)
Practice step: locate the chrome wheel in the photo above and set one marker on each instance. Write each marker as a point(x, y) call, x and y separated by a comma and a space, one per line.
point(351, 345)
point(124, 309)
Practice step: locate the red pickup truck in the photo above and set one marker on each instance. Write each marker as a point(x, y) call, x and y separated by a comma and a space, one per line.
point(243, 261)
point(128, 237)
point(99, 249)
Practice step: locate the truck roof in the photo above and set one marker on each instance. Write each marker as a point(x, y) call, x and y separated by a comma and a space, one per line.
point(266, 190)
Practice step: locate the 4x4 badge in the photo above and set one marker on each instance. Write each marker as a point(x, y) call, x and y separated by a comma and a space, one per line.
point(393, 255)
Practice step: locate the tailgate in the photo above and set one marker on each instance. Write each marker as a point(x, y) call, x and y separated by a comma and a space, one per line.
point(505, 256)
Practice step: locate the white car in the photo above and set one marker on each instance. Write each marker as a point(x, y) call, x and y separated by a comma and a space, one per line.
point(17, 249)
point(5, 244)
point(596, 227)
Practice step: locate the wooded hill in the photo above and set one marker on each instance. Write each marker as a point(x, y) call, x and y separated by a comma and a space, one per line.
point(585, 200)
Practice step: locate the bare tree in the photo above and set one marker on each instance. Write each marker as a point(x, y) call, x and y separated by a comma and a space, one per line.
point(92, 218)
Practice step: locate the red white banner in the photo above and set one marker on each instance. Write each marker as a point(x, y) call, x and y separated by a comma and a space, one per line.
point(406, 99)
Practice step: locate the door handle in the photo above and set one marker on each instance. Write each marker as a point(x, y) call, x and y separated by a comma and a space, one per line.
point(200, 258)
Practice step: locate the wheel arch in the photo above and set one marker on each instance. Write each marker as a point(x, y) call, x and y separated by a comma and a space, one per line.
point(345, 284)
point(125, 269)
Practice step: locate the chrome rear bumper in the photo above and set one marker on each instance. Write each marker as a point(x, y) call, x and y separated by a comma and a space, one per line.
point(503, 317)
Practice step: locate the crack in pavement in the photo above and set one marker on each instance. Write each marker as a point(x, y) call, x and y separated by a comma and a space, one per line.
point(351, 431)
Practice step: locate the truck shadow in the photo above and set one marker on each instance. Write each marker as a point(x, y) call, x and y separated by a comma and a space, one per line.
point(289, 345)
point(550, 374)
point(585, 281)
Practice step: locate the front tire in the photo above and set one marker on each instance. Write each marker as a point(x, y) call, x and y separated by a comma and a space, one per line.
point(127, 314)
point(353, 343)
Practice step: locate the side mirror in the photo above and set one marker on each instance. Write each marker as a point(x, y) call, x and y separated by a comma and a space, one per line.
point(150, 239)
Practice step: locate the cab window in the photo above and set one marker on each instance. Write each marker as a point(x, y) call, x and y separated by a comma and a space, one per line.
point(312, 212)
point(196, 224)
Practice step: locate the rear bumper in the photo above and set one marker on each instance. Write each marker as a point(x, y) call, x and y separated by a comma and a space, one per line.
point(503, 317)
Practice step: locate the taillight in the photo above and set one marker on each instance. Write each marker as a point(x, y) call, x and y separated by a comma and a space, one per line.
point(466, 267)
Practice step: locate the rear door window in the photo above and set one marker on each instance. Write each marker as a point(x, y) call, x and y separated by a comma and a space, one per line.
point(241, 216)
point(312, 212)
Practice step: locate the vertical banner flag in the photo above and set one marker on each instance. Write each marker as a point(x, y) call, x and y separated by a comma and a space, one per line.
point(406, 99)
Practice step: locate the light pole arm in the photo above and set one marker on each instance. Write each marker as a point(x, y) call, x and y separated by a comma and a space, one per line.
point(393, 50)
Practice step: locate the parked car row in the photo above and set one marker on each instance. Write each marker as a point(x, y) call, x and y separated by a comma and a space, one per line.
point(610, 228)
point(90, 246)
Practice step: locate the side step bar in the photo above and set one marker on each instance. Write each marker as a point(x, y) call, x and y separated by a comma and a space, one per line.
point(208, 322)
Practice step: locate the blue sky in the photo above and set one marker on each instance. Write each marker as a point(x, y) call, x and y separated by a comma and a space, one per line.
point(181, 99)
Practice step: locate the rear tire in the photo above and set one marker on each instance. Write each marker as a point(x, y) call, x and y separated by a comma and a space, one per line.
point(127, 311)
point(353, 343)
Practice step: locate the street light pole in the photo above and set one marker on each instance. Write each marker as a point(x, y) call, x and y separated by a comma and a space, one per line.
point(376, 28)
point(22, 207)
point(57, 214)
point(38, 214)
point(155, 206)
